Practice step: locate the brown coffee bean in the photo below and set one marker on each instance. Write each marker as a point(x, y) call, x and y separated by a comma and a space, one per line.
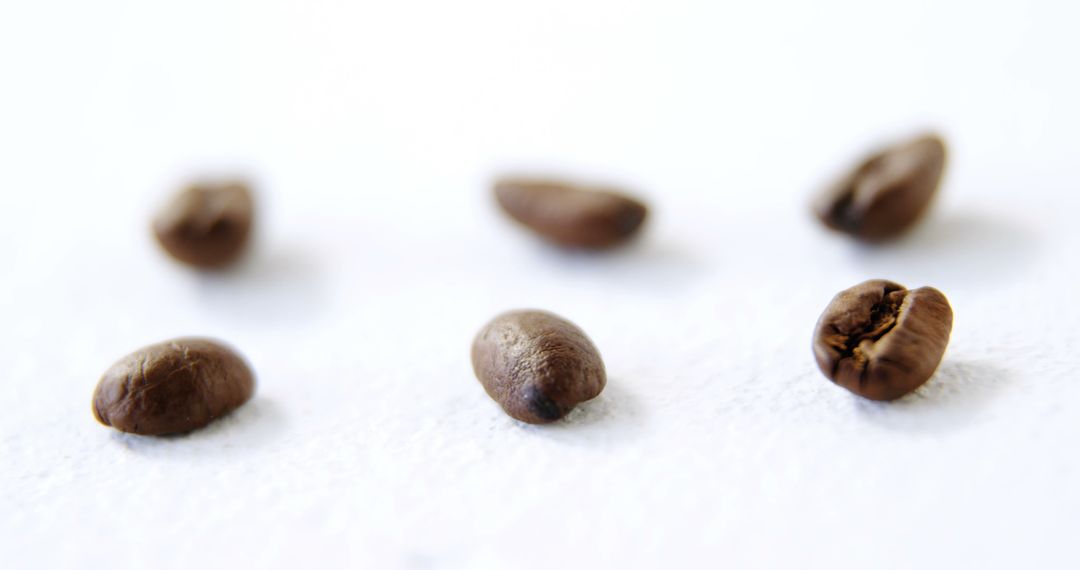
point(172, 387)
point(206, 225)
point(536, 365)
point(888, 193)
point(882, 341)
point(569, 215)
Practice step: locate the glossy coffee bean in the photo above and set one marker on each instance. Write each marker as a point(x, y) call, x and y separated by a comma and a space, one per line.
point(882, 341)
point(172, 387)
point(206, 225)
point(888, 193)
point(570, 215)
point(536, 365)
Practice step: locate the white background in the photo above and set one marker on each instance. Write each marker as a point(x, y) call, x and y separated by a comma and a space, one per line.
point(373, 129)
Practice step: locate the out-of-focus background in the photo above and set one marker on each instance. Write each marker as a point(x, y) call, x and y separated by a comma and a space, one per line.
point(372, 131)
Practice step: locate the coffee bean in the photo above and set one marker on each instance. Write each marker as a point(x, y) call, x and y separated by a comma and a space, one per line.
point(206, 225)
point(172, 387)
point(882, 341)
point(570, 215)
point(888, 193)
point(536, 365)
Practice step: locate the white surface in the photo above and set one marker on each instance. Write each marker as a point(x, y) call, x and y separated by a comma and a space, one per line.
point(373, 129)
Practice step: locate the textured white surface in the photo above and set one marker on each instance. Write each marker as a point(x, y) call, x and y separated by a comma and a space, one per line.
point(373, 129)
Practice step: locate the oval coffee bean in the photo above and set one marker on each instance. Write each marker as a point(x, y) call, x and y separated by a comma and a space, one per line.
point(172, 387)
point(206, 225)
point(888, 193)
point(570, 215)
point(882, 341)
point(536, 365)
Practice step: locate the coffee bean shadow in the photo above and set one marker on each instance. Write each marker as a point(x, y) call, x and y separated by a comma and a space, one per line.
point(245, 430)
point(953, 398)
point(281, 284)
point(954, 248)
point(615, 416)
point(645, 263)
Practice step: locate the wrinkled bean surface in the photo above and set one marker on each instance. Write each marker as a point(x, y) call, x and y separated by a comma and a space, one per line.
point(172, 387)
point(881, 340)
point(536, 365)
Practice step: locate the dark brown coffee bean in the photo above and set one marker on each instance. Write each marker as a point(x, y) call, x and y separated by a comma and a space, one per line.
point(888, 193)
point(206, 225)
point(882, 341)
point(172, 387)
point(570, 215)
point(536, 365)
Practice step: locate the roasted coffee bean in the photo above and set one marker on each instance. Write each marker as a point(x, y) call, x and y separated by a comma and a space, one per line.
point(882, 341)
point(206, 225)
point(172, 387)
point(536, 365)
point(888, 193)
point(569, 215)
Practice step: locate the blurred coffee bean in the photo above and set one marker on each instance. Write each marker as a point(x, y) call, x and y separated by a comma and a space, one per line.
point(206, 225)
point(570, 215)
point(887, 193)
